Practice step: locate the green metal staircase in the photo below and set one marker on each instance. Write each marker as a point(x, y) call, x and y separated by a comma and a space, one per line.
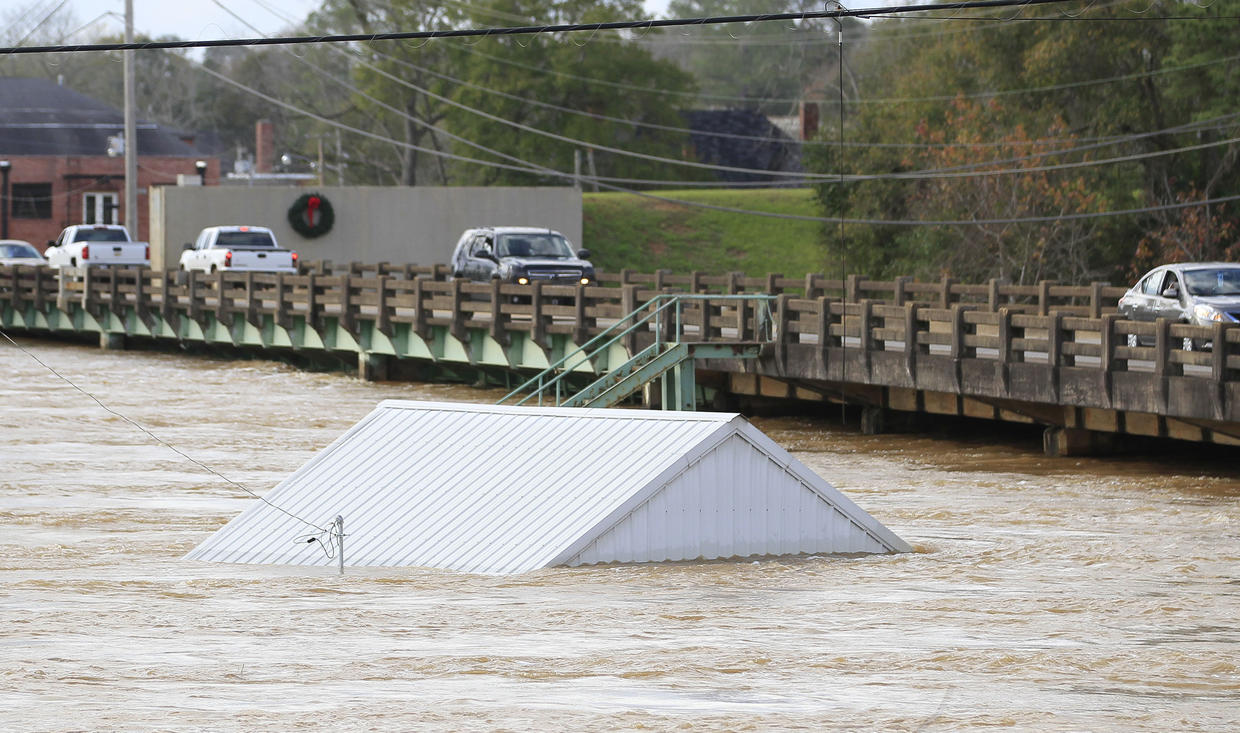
point(670, 358)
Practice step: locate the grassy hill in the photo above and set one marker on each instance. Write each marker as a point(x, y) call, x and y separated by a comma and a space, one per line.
point(625, 230)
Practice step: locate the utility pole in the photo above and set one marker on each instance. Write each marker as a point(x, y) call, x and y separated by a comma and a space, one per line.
point(131, 132)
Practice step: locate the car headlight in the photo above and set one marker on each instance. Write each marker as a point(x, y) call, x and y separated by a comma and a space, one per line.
point(1203, 312)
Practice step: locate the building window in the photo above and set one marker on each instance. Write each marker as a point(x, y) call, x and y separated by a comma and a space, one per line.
point(32, 201)
point(99, 208)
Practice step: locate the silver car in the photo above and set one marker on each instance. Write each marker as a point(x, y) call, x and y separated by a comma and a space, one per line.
point(17, 252)
point(1199, 293)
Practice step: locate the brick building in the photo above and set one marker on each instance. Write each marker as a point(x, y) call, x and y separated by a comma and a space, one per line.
point(66, 161)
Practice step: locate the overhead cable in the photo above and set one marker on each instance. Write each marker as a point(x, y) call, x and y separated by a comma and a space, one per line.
point(524, 30)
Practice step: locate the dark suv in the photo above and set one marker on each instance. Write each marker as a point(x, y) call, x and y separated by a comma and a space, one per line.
point(520, 255)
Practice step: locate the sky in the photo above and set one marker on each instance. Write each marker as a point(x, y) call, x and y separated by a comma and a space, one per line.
point(200, 19)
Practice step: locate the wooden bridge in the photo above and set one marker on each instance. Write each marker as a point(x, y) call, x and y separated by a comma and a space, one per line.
point(1047, 354)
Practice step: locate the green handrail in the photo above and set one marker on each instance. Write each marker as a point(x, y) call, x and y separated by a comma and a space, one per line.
point(592, 347)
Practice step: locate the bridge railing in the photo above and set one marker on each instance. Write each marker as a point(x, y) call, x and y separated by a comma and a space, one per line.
point(1067, 325)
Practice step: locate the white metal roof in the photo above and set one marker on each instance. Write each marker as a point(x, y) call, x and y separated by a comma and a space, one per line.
point(499, 489)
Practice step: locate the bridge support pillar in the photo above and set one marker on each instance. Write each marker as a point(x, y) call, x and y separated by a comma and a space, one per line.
point(873, 421)
point(111, 341)
point(372, 367)
point(1062, 442)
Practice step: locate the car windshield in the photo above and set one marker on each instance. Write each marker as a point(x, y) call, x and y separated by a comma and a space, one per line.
point(1213, 281)
point(534, 244)
point(100, 235)
point(245, 239)
point(18, 250)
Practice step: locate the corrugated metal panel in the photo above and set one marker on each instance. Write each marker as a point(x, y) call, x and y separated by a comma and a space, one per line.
point(493, 489)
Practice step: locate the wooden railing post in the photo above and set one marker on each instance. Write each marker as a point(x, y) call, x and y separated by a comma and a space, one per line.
point(772, 283)
point(283, 316)
point(140, 305)
point(347, 320)
point(1044, 296)
point(1005, 349)
point(311, 301)
point(811, 287)
point(992, 295)
point(1095, 299)
point(580, 327)
point(900, 294)
point(783, 304)
point(1218, 357)
point(195, 307)
point(958, 331)
point(499, 319)
point(251, 302)
point(1106, 348)
point(383, 319)
point(708, 311)
point(539, 332)
point(945, 292)
point(628, 304)
point(864, 333)
point(1054, 340)
point(910, 339)
point(419, 308)
point(822, 329)
point(40, 302)
point(852, 288)
point(1162, 347)
point(15, 287)
point(743, 332)
point(458, 320)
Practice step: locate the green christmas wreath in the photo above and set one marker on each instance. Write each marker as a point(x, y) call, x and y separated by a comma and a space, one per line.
point(311, 215)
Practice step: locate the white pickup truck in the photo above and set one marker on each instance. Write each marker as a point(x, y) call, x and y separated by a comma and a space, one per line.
point(237, 249)
point(97, 245)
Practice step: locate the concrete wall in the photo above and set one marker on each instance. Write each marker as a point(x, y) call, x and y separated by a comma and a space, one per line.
point(373, 224)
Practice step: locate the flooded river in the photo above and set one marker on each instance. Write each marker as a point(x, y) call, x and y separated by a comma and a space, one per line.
point(1045, 594)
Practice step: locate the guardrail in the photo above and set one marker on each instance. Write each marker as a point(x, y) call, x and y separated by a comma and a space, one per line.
point(1040, 298)
point(1054, 344)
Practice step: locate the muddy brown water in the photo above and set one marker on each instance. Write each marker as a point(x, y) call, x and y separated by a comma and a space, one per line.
point(1080, 594)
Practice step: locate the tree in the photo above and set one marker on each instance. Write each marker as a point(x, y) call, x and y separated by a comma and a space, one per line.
point(539, 81)
point(1051, 247)
point(764, 65)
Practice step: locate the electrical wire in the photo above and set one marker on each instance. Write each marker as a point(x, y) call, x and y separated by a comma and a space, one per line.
point(156, 438)
point(520, 30)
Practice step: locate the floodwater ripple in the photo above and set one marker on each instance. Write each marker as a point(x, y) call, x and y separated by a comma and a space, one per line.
point(1050, 595)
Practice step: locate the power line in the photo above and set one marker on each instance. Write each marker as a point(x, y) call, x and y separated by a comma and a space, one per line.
point(155, 437)
point(523, 30)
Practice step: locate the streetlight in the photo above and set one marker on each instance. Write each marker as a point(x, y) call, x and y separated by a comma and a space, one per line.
point(201, 167)
point(286, 161)
point(5, 166)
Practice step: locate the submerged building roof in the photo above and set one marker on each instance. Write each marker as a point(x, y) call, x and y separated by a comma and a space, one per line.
point(500, 489)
